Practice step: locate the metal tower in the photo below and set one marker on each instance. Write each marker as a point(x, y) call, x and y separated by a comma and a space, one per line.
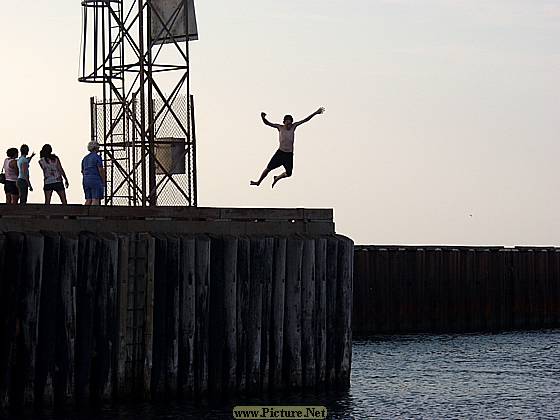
point(144, 121)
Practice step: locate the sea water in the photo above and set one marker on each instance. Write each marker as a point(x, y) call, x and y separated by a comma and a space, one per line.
point(509, 375)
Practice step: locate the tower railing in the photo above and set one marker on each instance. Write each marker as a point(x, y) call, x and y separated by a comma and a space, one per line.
point(139, 51)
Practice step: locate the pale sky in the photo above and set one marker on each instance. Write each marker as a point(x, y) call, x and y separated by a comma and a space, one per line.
point(436, 110)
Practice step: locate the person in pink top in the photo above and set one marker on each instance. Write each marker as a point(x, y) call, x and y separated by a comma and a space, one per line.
point(11, 173)
point(284, 156)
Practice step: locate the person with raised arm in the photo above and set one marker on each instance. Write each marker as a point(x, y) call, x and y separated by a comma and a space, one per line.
point(284, 156)
point(24, 181)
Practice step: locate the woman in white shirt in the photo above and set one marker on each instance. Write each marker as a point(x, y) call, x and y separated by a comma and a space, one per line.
point(53, 174)
point(11, 173)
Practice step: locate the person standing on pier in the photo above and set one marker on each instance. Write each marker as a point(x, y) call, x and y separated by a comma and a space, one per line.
point(53, 174)
point(23, 181)
point(10, 170)
point(94, 175)
point(284, 156)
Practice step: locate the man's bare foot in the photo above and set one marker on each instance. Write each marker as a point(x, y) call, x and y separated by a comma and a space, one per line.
point(255, 183)
point(276, 179)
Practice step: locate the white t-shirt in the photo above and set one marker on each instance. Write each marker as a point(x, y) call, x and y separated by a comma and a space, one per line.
point(50, 171)
point(286, 137)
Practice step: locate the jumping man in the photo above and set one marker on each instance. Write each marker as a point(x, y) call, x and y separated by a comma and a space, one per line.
point(284, 156)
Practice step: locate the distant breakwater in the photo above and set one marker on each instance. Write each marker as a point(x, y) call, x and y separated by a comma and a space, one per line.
point(400, 289)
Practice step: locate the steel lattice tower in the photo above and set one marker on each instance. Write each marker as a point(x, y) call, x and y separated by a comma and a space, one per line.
point(139, 51)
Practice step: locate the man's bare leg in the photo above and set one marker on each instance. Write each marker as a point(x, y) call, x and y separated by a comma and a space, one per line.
point(263, 176)
point(279, 177)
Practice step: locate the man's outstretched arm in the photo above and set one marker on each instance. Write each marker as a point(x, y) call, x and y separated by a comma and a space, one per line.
point(263, 116)
point(319, 111)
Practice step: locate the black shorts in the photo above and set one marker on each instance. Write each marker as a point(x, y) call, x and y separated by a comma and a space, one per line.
point(280, 158)
point(10, 187)
point(55, 186)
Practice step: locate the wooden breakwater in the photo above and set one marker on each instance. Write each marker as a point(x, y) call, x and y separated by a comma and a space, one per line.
point(96, 316)
point(455, 289)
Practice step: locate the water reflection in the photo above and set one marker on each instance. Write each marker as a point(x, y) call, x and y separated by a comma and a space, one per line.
point(511, 375)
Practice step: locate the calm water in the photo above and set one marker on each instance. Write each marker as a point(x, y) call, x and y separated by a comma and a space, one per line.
point(513, 375)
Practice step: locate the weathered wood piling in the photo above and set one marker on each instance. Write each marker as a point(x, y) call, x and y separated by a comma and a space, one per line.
point(87, 317)
point(455, 289)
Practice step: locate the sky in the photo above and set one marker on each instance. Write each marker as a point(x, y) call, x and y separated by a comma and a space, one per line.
point(441, 125)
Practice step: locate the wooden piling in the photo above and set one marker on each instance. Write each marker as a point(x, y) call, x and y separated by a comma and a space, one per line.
point(554, 296)
point(371, 290)
point(520, 287)
point(456, 305)
point(187, 317)
point(331, 284)
point(362, 272)
point(292, 314)
point(407, 290)
point(277, 313)
point(444, 294)
point(29, 298)
point(483, 285)
point(531, 285)
point(105, 333)
point(124, 380)
point(320, 310)
point(344, 310)
point(10, 395)
point(65, 349)
point(45, 364)
point(230, 315)
point(202, 287)
point(472, 304)
point(494, 291)
point(88, 273)
point(242, 325)
point(137, 265)
point(172, 316)
point(549, 291)
point(422, 323)
point(308, 332)
point(541, 287)
point(507, 287)
point(381, 272)
point(394, 286)
point(144, 299)
point(267, 268)
point(216, 344)
point(160, 347)
point(255, 305)
point(5, 327)
point(166, 317)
